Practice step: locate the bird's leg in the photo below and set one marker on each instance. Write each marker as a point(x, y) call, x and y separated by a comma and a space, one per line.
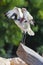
point(23, 38)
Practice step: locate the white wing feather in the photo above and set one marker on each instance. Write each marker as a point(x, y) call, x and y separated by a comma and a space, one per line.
point(23, 26)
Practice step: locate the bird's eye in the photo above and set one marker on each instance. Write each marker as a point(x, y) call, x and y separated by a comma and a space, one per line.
point(14, 16)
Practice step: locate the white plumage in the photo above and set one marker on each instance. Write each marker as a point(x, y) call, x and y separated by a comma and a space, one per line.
point(27, 16)
point(16, 11)
point(23, 21)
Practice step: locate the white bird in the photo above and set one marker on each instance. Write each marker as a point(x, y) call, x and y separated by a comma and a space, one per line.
point(21, 19)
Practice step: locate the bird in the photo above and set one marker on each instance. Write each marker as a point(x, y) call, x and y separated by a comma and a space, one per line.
point(22, 19)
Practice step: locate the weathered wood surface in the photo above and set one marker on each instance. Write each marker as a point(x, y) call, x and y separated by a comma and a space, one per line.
point(29, 56)
point(17, 61)
point(12, 61)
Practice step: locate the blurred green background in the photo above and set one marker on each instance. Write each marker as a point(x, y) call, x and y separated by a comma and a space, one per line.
point(10, 34)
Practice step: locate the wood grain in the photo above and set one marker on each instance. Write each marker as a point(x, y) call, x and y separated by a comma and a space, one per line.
point(29, 56)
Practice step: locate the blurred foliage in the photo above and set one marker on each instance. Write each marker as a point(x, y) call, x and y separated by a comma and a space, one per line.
point(10, 34)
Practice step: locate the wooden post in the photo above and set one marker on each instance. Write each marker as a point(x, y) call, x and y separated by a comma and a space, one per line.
point(29, 56)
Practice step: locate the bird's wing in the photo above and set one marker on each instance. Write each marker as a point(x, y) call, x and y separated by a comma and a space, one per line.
point(28, 17)
point(11, 12)
point(20, 13)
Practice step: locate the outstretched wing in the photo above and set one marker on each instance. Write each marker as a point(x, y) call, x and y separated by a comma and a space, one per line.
point(17, 15)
